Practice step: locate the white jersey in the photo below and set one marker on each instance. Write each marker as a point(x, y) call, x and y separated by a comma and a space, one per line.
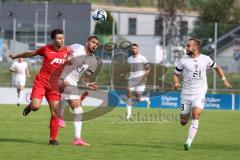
point(137, 65)
point(194, 71)
point(19, 69)
point(81, 64)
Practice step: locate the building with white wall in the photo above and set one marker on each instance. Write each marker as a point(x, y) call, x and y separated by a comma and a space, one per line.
point(141, 25)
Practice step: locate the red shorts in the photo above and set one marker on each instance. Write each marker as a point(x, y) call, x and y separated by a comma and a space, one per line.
point(41, 88)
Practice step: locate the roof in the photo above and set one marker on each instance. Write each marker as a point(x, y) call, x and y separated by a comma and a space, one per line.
point(146, 10)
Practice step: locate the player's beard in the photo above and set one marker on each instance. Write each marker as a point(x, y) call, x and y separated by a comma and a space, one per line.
point(134, 53)
point(91, 49)
point(189, 53)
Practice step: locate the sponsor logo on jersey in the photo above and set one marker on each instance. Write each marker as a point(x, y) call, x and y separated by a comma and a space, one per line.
point(58, 61)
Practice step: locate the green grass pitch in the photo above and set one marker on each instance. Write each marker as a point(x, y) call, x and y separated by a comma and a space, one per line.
point(112, 137)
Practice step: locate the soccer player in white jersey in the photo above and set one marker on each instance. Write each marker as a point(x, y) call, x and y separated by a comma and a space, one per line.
point(137, 79)
point(20, 72)
point(193, 68)
point(82, 64)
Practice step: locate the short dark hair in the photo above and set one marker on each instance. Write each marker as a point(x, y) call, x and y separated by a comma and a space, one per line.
point(91, 37)
point(135, 44)
point(55, 32)
point(197, 42)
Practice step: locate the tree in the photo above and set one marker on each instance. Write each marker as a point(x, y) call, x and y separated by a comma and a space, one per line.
point(211, 11)
point(170, 8)
point(105, 28)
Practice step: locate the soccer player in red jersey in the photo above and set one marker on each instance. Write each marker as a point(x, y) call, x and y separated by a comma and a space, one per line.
point(54, 55)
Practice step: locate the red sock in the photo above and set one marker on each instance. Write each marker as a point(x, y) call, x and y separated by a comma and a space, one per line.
point(54, 126)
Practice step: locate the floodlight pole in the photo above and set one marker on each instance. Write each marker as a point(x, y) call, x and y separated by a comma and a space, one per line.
point(14, 34)
point(215, 55)
point(36, 26)
point(46, 22)
point(112, 58)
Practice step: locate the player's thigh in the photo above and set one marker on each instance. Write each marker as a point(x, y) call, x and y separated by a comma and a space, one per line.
point(21, 86)
point(185, 107)
point(74, 103)
point(38, 90)
point(129, 92)
point(185, 110)
point(16, 83)
point(197, 106)
point(53, 105)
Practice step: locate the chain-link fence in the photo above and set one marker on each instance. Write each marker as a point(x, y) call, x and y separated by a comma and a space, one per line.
point(162, 48)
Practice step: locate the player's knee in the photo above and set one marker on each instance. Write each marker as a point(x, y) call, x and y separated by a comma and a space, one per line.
point(35, 107)
point(195, 116)
point(184, 120)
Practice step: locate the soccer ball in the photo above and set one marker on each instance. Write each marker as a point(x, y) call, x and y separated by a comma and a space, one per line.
point(99, 15)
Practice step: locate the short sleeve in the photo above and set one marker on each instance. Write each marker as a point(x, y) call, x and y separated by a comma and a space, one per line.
point(210, 62)
point(13, 66)
point(40, 51)
point(179, 68)
point(145, 62)
point(92, 66)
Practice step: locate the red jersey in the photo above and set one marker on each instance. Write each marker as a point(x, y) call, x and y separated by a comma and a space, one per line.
point(52, 59)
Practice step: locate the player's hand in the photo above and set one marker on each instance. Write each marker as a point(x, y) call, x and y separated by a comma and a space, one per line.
point(227, 84)
point(93, 85)
point(176, 86)
point(29, 76)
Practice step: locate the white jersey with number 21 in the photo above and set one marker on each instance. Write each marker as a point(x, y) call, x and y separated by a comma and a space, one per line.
point(194, 72)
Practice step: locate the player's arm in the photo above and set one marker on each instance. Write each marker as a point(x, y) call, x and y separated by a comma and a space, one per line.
point(175, 79)
point(13, 67)
point(86, 78)
point(26, 54)
point(91, 85)
point(221, 74)
point(176, 74)
point(27, 72)
point(146, 71)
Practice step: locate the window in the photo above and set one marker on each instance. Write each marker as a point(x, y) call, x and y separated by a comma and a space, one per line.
point(158, 26)
point(132, 25)
point(183, 28)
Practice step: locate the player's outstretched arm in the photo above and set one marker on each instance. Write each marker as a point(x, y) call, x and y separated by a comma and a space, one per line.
point(91, 85)
point(176, 83)
point(24, 54)
point(220, 72)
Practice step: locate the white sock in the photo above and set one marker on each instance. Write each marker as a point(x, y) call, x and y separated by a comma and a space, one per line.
point(20, 96)
point(77, 121)
point(129, 101)
point(129, 110)
point(192, 131)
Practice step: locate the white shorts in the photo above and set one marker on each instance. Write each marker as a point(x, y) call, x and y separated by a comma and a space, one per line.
point(136, 85)
point(70, 96)
point(19, 81)
point(139, 89)
point(71, 93)
point(188, 102)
